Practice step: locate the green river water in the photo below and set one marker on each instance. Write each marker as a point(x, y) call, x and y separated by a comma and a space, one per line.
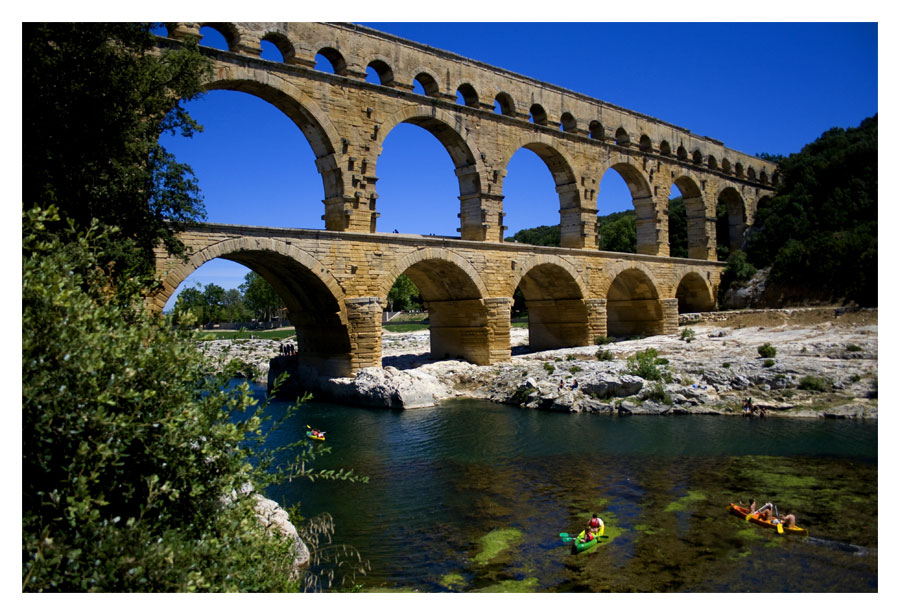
point(471, 497)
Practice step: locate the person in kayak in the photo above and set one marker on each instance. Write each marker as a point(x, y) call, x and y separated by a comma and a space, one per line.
point(769, 513)
point(595, 525)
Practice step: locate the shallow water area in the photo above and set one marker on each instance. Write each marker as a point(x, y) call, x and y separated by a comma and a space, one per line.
point(471, 496)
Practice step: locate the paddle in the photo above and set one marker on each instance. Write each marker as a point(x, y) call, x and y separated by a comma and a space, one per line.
point(780, 529)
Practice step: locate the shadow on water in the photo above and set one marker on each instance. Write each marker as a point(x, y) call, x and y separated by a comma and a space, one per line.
point(470, 497)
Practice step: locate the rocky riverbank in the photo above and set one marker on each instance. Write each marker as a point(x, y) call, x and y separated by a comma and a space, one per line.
point(825, 365)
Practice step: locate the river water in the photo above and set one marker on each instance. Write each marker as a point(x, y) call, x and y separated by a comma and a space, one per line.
point(471, 496)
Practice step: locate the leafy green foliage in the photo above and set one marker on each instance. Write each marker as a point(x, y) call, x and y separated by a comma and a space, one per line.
point(767, 351)
point(688, 335)
point(404, 296)
point(131, 447)
point(819, 233)
point(737, 271)
point(678, 239)
point(538, 236)
point(604, 354)
point(95, 101)
point(813, 383)
point(617, 232)
point(260, 299)
point(645, 364)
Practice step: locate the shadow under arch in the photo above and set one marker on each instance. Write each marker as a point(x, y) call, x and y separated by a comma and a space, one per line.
point(446, 128)
point(694, 294)
point(453, 294)
point(314, 299)
point(735, 214)
point(554, 298)
point(312, 122)
point(632, 304)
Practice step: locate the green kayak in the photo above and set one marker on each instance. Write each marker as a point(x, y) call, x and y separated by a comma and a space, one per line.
point(578, 542)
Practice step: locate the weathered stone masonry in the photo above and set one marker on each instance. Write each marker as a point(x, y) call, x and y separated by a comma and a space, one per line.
point(335, 281)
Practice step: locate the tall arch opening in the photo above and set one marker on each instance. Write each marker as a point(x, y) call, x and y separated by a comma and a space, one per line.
point(632, 306)
point(689, 235)
point(731, 222)
point(419, 189)
point(694, 294)
point(551, 208)
point(320, 335)
point(557, 315)
point(457, 316)
point(626, 213)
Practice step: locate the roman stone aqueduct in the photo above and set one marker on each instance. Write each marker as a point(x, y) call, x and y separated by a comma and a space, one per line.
point(335, 281)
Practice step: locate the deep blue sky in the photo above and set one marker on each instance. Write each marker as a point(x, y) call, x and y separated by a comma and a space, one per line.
point(758, 87)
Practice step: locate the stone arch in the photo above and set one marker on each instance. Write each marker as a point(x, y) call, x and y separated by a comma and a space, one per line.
point(441, 124)
point(697, 157)
point(469, 95)
point(641, 199)
point(567, 122)
point(314, 298)
point(335, 57)
point(306, 115)
point(711, 162)
point(632, 302)
point(283, 44)
point(454, 296)
point(694, 294)
point(427, 81)
point(698, 232)
point(564, 178)
point(538, 114)
point(595, 129)
point(736, 212)
point(622, 137)
point(228, 31)
point(646, 145)
point(507, 104)
point(383, 70)
point(555, 299)
point(664, 148)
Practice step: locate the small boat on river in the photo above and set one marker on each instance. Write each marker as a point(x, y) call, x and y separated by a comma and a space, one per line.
point(744, 511)
point(315, 434)
point(579, 543)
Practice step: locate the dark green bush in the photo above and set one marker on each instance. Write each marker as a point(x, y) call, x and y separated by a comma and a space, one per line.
point(767, 350)
point(813, 383)
point(604, 354)
point(130, 443)
point(645, 364)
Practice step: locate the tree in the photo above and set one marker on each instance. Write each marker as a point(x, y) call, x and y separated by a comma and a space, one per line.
point(819, 232)
point(404, 296)
point(538, 236)
point(678, 236)
point(96, 98)
point(260, 298)
point(234, 308)
point(135, 454)
point(617, 232)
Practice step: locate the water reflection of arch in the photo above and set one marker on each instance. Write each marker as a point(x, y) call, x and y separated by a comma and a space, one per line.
point(554, 294)
point(632, 301)
point(453, 293)
point(448, 130)
point(303, 112)
point(694, 293)
point(313, 297)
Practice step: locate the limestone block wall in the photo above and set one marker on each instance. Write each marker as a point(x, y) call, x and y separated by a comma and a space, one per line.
point(335, 286)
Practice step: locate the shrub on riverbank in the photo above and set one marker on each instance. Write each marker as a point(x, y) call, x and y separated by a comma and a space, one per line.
point(130, 446)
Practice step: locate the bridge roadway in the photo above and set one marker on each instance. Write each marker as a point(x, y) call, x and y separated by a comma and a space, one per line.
point(335, 286)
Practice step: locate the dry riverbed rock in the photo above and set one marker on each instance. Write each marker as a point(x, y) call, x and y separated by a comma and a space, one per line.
point(825, 365)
